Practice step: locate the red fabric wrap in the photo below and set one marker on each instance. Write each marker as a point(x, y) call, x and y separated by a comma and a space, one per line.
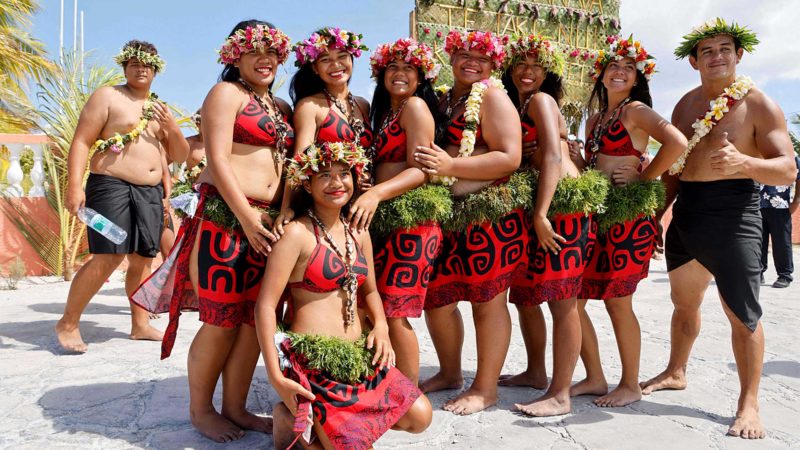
point(403, 265)
point(553, 277)
point(619, 259)
point(229, 272)
point(478, 264)
point(353, 416)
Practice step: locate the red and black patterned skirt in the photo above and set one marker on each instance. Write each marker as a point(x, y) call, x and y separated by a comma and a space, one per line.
point(353, 416)
point(229, 275)
point(479, 263)
point(403, 265)
point(619, 259)
point(553, 277)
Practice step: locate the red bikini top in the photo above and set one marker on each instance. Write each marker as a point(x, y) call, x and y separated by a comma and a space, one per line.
point(529, 133)
point(391, 143)
point(456, 129)
point(616, 142)
point(336, 129)
point(253, 126)
point(325, 271)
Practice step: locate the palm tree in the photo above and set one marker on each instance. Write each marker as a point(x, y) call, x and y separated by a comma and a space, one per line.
point(21, 57)
point(62, 94)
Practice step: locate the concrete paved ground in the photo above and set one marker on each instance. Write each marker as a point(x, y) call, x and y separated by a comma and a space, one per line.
point(120, 396)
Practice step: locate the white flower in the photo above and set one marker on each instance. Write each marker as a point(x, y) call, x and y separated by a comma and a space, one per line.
point(778, 202)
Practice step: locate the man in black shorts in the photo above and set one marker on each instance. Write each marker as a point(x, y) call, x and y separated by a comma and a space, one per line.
point(716, 227)
point(124, 184)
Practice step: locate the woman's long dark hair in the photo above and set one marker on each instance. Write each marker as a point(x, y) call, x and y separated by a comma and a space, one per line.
point(231, 72)
point(553, 85)
point(598, 101)
point(305, 82)
point(382, 103)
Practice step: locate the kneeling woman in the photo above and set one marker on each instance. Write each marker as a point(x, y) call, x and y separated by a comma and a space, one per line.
point(404, 212)
point(484, 242)
point(323, 364)
point(617, 140)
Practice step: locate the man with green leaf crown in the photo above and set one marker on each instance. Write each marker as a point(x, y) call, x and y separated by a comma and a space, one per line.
point(122, 134)
point(737, 139)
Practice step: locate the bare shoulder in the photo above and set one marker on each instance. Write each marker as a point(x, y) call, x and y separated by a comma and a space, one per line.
point(416, 107)
point(688, 99)
point(312, 102)
point(283, 105)
point(543, 100)
point(762, 103)
point(362, 103)
point(226, 88)
point(298, 230)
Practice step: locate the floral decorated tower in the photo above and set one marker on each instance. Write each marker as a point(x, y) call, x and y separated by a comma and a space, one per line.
point(579, 26)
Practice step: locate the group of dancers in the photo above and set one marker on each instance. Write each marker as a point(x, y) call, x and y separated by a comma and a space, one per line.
point(315, 231)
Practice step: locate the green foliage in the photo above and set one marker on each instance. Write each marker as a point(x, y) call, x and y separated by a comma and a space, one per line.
point(743, 36)
point(491, 203)
point(627, 202)
point(586, 194)
point(431, 202)
point(216, 210)
point(15, 271)
point(344, 361)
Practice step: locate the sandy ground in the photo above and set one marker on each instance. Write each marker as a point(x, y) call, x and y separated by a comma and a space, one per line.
point(120, 396)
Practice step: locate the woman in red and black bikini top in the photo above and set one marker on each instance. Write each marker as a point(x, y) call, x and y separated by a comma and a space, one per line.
point(329, 268)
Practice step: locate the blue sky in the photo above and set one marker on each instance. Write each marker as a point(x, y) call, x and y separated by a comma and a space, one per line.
point(187, 34)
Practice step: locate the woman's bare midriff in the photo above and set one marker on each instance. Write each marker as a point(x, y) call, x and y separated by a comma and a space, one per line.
point(254, 168)
point(568, 168)
point(323, 314)
point(608, 164)
point(464, 187)
point(138, 163)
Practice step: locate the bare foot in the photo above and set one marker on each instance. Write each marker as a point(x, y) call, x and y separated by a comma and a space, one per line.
point(621, 396)
point(147, 334)
point(70, 338)
point(470, 402)
point(664, 381)
point(249, 421)
point(534, 380)
point(214, 426)
point(589, 387)
point(747, 425)
point(545, 406)
point(439, 382)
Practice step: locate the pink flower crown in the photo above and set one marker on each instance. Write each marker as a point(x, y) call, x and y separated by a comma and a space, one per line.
point(309, 161)
point(259, 38)
point(409, 50)
point(327, 39)
point(624, 48)
point(545, 52)
point(485, 42)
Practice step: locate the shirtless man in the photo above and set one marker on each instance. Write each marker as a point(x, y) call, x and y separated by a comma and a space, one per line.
point(716, 227)
point(124, 185)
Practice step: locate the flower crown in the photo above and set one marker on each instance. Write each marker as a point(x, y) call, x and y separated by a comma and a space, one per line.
point(485, 42)
point(307, 162)
point(259, 38)
point(546, 53)
point(409, 50)
point(624, 48)
point(744, 37)
point(327, 39)
point(144, 57)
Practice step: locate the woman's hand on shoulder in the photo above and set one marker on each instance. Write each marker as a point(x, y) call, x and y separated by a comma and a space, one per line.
point(286, 215)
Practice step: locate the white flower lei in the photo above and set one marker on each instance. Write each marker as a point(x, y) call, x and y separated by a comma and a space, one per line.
point(703, 125)
point(473, 120)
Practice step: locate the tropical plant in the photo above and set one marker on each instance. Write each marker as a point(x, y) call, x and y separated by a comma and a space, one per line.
point(62, 94)
point(21, 57)
point(794, 136)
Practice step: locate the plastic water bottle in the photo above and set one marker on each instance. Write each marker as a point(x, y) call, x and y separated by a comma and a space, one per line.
point(102, 225)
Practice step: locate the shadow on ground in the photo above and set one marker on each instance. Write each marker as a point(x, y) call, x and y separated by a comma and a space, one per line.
point(784, 368)
point(41, 334)
point(148, 414)
point(91, 308)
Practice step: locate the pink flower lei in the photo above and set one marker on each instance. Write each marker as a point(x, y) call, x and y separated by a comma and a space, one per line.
point(485, 42)
point(624, 48)
point(325, 39)
point(409, 50)
point(258, 38)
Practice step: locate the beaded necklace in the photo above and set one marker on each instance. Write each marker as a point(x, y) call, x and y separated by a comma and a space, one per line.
point(350, 285)
point(600, 128)
point(355, 123)
point(281, 127)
